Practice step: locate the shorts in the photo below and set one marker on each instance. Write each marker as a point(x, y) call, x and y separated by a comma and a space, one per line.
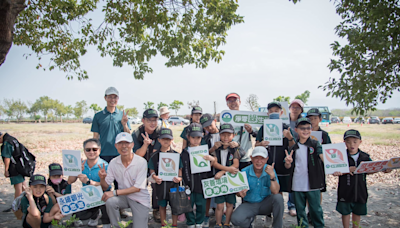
point(42, 225)
point(162, 203)
point(283, 183)
point(346, 208)
point(17, 179)
point(231, 198)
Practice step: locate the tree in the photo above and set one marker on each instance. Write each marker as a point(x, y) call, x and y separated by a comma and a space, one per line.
point(176, 105)
point(148, 105)
point(133, 112)
point(80, 109)
point(44, 104)
point(15, 108)
point(193, 104)
point(95, 108)
point(304, 96)
point(69, 110)
point(282, 98)
point(59, 109)
point(132, 32)
point(159, 105)
point(120, 107)
point(252, 102)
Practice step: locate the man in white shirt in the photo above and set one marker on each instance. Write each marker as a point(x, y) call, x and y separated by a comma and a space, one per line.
point(130, 172)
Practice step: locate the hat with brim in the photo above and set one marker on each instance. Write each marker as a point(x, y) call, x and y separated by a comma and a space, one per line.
point(197, 109)
point(352, 134)
point(274, 104)
point(260, 151)
point(166, 133)
point(112, 90)
point(297, 101)
point(150, 113)
point(195, 130)
point(235, 95)
point(303, 120)
point(313, 112)
point(123, 137)
point(164, 110)
point(37, 179)
point(55, 169)
point(206, 120)
point(226, 127)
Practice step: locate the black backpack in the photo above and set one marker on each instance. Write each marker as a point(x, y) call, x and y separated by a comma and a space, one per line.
point(22, 161)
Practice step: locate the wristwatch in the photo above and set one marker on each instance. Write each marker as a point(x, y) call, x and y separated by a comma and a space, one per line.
point(88, 182)
point(273, 179)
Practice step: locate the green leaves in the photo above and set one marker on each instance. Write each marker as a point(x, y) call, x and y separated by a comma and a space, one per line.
point(195, 161)
point(241, 177)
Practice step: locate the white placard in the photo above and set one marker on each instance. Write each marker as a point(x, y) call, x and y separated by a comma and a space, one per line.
point(71, 162)
point(335, 158)
point(227, 184)
point(285, 115)
point(168, 166)
point(88, 197)
point(197, 163)
point(239, 118)
point(273, 132)
point(317, 135)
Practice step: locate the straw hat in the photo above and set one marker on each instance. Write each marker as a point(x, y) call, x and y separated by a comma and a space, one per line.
point(164, 110)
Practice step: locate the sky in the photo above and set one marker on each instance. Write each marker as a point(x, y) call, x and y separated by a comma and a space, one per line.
point(280, 49)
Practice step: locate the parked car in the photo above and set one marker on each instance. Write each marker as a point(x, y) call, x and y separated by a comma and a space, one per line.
point(387, 120)
point(396, 120)
point(178, 120)
point(359, 119)
point(136, 120)
point(335, 119)
point(87, 120)
point(346, 120)
point(374, 120)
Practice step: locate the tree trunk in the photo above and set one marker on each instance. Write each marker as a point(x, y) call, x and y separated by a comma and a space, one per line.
point(9, 10)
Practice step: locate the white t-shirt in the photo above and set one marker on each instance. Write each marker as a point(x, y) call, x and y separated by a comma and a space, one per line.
point(300, 176)
point(224, 154)
point(214, 138)
point(355, 156)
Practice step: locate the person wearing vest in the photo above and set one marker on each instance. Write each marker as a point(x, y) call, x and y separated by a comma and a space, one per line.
point(145, 144)
point(277, 153)
point(242, 133)
point(56, 185)
point(164, 116)
point(352, 194)
point(7, 148)
point(194, 118)
point(38, 208)
point(306, 175)
point(163, 187)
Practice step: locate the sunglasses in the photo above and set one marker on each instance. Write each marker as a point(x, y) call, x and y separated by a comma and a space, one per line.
point(89, 149)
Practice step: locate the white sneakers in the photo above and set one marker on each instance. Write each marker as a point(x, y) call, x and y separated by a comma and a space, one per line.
point(95, 222)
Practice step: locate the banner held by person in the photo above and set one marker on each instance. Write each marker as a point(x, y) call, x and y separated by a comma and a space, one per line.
point(394, 163)
point(273, 132)
point(88, 197)
point(317, 135)
point(197, 163)
point(335, 158)
point(227, 184)
point(168, 166)
point(371, 167)
point(239, 118)
point(72, 162)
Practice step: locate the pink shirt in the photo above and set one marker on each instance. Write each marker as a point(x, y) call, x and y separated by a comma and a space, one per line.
point(135, 175)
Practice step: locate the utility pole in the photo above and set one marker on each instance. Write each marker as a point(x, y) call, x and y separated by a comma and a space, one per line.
point(215, 109)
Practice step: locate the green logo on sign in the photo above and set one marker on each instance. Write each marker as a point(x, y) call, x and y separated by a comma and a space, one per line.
point(272, 130)
point(232, 181)
point(227, 117)
point(196, 160)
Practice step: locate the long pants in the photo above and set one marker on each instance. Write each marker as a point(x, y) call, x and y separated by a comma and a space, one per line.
point(154, 201)
point(244, 214)
point(140, 213)
point(92, 213)
point(108, 159)
point(317, 215)
point(198, 199)
point(290, 202)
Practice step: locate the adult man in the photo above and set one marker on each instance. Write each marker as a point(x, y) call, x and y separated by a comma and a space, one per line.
point(90, 176)
point(164, 116)
point(242, 134)
point(130, 171)
point(263, 196)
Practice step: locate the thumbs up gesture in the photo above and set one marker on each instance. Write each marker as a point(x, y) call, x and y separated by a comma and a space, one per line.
point(102, 172)
point(270, 170)
point(124, 119)
point(287, 134)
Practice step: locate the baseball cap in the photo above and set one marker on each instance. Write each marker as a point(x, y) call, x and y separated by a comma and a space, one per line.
point(274, 104)
point(260, 151)
point(297, 101)
point(166, 133)
point(37, 179)
point(197, 109)
point(352, 133)
point(232, 95)
point(195, 130)
point(123, 136)
point(313, 112)
point(164, 110)
point(206, 120)
point(55, 169)
point(112, 90)
point(150, 113)
point(226, 127)
point(302, 120)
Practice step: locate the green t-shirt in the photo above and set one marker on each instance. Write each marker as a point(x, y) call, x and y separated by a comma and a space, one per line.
point(25, 205)
point(7, 151)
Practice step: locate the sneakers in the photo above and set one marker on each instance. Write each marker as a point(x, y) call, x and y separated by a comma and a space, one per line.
point(95, 222)
point(292, 212)
point(227, 226)
point(78, 223)
point(156, 216)
point(206, 222)
point(218, 226)
point(123, 213)
point(191, 226)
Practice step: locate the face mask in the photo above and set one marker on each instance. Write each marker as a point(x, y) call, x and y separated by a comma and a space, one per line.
point(56, 181)
point(274, 116)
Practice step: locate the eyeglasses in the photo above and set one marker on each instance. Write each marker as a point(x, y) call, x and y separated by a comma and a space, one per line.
point(91, 149)
point(295, 108)
point(151, 121)
point(232, 101)
point(305, 128)
point(112, 97)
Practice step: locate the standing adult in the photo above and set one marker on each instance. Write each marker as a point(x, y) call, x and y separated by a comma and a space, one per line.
point(130, 171)
point(296, 108)
point(263, 197)
point(164, 116)
point(242, 134)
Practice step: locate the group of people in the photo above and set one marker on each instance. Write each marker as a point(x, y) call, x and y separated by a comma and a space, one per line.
point(129, 161)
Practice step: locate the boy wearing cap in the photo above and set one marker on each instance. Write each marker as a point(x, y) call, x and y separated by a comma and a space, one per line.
point(56, 185)
point(194, 118)
point(306, 175)
point(38, 208)
point(163, 187)
point(352, 190)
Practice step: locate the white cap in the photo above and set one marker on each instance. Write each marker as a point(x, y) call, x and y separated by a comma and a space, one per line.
point(112, 90)
point(260, 151)
point(164, 110)
point(123, 136)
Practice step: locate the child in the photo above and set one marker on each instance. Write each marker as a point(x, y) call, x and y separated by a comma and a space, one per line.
point(194, 118)
point(194, 136)
point(352, 190)
point(226, 159)
point(56, 185)
point(163, 187)
point(44, 211)
point(306, 175)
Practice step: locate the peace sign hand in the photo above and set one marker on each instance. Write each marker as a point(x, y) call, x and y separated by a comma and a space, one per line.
point(289, 158)
point(102, 172)
point(146, 139)
point(125, 118)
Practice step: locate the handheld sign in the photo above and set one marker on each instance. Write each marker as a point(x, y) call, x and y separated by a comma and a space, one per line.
point(227, 184)
point(371, 167)
point(394, 163)
point(168, 166)
point(239, 118)
point(335, 158)
point(285, 115)
point(273, 132)
point(71, 162)
point(88, 197)
point(197, 163)
point(317, 135)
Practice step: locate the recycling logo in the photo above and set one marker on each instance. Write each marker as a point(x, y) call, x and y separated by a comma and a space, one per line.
point(272, 130)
